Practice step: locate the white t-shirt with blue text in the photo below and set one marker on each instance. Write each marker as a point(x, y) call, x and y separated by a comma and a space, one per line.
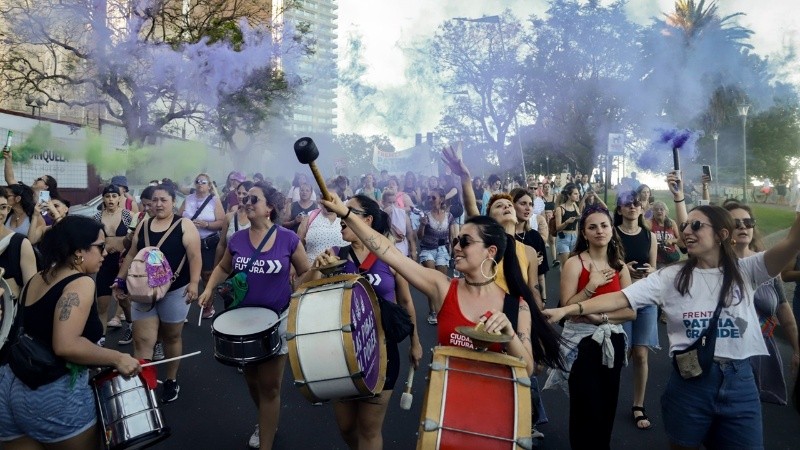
point(738, 331)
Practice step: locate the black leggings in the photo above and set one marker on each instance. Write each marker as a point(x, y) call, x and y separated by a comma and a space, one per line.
point(593, 394)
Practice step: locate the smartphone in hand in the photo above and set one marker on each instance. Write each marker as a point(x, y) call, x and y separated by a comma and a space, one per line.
point(707, 172)
point(44, 196)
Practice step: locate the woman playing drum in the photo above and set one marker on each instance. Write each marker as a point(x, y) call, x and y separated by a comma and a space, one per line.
point(59, 310)
point(360, 421)
point(268, 288)
point(465, 301)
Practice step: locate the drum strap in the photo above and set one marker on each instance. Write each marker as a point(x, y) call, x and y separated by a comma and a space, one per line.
point(258, 249)
point(367, 264)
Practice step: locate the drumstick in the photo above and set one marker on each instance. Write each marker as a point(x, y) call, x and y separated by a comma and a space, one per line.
point(283, 316)
point(307, 153)
point(200, 317)
point(155, 363)
point(407, 398)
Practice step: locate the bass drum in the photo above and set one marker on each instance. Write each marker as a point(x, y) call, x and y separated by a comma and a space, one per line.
point(336, 343)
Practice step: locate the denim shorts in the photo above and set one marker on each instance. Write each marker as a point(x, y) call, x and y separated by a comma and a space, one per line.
point(721, 409)
point(52, 413)
point(644, 330)
point(170, 309)
point(567, 243)
point(440, 255)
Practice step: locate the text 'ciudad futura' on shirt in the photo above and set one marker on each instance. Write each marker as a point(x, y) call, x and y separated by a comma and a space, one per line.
point(259, 265)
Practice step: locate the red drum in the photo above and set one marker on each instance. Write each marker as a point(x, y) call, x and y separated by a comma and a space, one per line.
point(476, 400)
point(335, 337)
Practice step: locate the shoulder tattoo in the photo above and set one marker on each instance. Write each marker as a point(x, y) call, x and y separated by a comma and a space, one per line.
point(65, 305)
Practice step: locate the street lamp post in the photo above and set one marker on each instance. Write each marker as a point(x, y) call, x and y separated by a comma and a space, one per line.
point(547, 159)
point(743, 108)
point(716, 165)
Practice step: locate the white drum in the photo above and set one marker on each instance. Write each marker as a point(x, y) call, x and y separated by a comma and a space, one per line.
point(336, 341)
point(246, 335)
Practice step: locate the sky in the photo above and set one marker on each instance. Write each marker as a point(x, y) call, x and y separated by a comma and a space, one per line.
point(387, 26)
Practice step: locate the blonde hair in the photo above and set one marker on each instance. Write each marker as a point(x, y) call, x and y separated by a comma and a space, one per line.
point(211, 186)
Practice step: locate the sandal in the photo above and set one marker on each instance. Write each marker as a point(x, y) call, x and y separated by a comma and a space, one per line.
point(639, 419)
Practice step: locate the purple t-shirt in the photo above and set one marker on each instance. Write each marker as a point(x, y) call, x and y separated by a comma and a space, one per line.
point(379, 276)
point(268, 277)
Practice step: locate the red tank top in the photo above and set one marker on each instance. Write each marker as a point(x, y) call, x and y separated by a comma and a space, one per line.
point(611, 286)
point(451, 317)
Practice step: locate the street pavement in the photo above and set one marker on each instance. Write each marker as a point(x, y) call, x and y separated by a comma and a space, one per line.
point(214, 410)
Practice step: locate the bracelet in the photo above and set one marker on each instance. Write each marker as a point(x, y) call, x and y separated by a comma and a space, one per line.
point(349, 210)
point(580, 309)
point(588, 293)
point(604, 316)
point(678, 201)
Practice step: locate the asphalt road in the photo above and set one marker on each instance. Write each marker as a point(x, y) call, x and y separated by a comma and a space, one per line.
point(214, 410)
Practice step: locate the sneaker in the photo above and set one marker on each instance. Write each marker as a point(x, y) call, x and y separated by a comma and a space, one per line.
point(127, 335)
point(432, 318)
point(114, 323)
point(208, 312)
point(255, 439)
point(102, 342)
point(158, 351)
point(536, 434)
point(170, 391)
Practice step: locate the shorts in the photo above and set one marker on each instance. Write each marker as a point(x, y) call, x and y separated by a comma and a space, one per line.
point(52, 413)
point(567, 243)
point(440, 255)
point(170, 309)
point(644, 330)
point(721, 409)
point(107, 274)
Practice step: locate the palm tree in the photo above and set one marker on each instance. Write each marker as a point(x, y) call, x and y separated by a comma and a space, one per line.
point(696, 20)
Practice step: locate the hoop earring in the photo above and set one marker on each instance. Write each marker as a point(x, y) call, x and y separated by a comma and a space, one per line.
point(77, 260)
point(494, 275)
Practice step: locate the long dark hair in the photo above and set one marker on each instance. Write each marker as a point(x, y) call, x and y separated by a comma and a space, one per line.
point(614, 251)
point(545, 341)
point(380, 219)
point(756, 244)
point(52, 185)
point(274, 199)
point(25, 194)
point(565, 193)
point(63, 239)
point(720, 220)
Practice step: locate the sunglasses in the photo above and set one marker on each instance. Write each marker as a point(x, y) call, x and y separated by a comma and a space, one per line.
point(200, 181)
point(632, 204)
point(746, 223)
point(463, 241)
point(40, 179)
point(250, 199)
point(695, 225)
point(101, 246)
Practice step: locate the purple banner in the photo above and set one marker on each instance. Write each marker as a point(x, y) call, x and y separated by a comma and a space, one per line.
point(365, 335)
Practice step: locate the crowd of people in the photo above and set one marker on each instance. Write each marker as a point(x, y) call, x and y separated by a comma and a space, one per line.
point(478, 251)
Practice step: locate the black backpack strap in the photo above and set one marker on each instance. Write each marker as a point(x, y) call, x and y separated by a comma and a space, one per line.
point(200, 209)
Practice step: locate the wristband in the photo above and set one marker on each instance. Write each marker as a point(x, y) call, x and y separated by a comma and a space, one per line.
point(120, 283)
point(678, 201)
point(349, 210)
point(580, 309)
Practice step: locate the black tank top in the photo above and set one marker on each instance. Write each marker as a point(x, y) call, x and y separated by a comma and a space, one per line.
point(10, 258)
point(551, 205)
point(38, 317)
point(566, 215)
point(637, 247)
point(172, 248)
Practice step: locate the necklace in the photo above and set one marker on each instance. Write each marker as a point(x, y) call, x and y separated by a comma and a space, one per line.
point(632, 232)
point(482, 283)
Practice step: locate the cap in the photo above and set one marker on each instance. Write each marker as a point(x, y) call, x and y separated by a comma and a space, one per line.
point(120, 180)
point(111, 189)
point(238, 176)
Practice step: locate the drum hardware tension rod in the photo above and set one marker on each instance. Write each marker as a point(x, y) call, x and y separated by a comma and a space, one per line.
point(448, 369)
point(431, 425)
point(299, 383)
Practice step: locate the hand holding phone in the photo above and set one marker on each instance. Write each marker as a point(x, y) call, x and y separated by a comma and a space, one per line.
point(44, 196)
point(707, 172)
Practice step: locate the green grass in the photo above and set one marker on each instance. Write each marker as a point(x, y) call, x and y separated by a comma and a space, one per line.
point(770, 218)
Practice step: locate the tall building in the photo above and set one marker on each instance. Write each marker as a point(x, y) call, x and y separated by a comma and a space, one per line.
point(315, 110)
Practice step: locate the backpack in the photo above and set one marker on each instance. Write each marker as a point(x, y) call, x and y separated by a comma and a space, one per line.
point(150, 275)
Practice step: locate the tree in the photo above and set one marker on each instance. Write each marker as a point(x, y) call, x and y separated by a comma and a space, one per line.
point(146, 63)
point(481, 60)
point(773, 137)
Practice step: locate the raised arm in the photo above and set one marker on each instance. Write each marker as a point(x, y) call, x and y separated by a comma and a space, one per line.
point(431, 282)
point(8, 167)
point(676, 187)
point(450, 157)
point(785, 251)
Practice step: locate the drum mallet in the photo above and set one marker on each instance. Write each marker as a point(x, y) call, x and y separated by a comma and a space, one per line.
point(307, 152)
point(407, 398)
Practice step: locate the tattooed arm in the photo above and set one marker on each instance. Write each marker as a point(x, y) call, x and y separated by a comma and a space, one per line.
point(431, 282)
point(520, 346)
point(69, 320)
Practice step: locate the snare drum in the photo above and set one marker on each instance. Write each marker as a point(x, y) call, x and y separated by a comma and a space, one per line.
point(336, 341)
point(476, 400)
point(7, 311)
point(246, 335)
point(128, 411)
